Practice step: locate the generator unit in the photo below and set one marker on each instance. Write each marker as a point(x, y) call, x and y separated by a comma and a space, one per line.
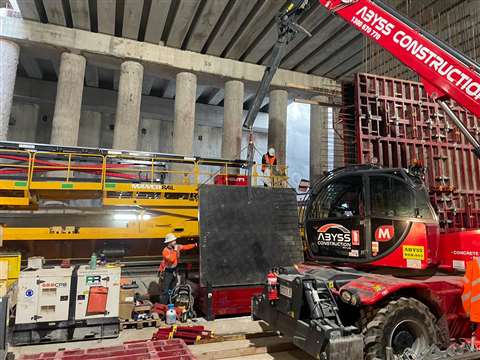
point(43, 295)
point(98, 292)
point(56, 304)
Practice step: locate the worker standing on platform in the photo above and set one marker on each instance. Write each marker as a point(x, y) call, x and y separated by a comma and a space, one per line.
point(168, 266)
point(269, 161)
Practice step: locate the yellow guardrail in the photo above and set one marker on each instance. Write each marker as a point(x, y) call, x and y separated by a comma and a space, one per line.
point(43, 170)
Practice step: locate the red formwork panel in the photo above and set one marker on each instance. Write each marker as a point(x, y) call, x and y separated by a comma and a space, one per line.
point(397, 123)
point(174, 349)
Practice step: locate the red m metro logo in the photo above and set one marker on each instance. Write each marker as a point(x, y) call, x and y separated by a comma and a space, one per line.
point(384, 233)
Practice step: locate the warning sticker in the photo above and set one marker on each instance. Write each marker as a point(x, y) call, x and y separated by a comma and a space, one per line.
point(413, 252)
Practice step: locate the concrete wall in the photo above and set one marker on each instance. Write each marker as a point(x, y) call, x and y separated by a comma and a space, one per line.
point(155, 134)
point(23, 122)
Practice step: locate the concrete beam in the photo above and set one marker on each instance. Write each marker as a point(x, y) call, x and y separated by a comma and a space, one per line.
point(80, 14)
point(181, 23)
point(314, 18)
point(31, 66)
point(106, 16)
point(345, 66)
point(208, 92)
point(340, 56)
point(331, 26)
point(169, 92)
point(258, 22)
point(147, 84)
point(91, 76)
point(55, 13)
point(132, 14)
point(28, 9)
point(263, 46)
point(159, 87)
point(159, 59)
point(217, 97)
point(157, 17)
point(105, 101)
point(329, 48)
point(332, 59)
point(206, 22)
point(234, 19)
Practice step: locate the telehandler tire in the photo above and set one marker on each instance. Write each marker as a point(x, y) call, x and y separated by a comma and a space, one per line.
point(402, 323)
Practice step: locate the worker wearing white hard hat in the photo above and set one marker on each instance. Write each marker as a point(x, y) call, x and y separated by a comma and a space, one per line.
point(168, 266)
point(269, 162)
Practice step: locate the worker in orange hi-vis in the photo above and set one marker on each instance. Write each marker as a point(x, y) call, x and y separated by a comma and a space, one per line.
point(269, 161)
point(471, 295)
point(168, 266)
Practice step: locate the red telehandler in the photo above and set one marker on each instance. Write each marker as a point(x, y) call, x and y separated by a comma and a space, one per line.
point(380, 282)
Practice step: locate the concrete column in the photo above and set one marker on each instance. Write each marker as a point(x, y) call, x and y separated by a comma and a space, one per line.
point(277, 124)
point(127, 118)
point(68, 103)
point(184, 123)
point(149, 135)
point(338, 143)
point(23, 122)
point(318, 140)
point(90, 129)
point(8, 71)
point(232, 120)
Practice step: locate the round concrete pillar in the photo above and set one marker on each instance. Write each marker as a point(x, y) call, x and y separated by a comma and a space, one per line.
point(277, 124)
point(68, 103)
point(232, 120)
point(184, 123)
point(8, 71)
point(127, 117)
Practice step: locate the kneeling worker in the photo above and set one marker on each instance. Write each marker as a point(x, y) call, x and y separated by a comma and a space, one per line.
point(171, 255)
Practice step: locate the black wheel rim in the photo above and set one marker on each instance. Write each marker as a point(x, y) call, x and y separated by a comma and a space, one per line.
point(408, 334)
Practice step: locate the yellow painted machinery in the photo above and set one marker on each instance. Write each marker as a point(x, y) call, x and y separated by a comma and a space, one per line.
point(66, 202)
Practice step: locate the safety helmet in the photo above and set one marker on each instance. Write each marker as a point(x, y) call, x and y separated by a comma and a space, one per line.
point(169, 238)
point(271, 151)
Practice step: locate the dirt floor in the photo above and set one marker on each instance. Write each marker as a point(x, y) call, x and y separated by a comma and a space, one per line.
point(258, 348)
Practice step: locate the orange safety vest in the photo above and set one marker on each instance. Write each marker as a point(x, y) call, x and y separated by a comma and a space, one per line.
point(268, 160)
point(471, 290)
point(171, 256)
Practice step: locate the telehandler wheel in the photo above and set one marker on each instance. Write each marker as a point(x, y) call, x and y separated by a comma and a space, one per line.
point(402, 323)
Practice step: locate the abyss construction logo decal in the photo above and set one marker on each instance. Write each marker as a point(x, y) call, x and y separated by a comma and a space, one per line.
point(334, 235)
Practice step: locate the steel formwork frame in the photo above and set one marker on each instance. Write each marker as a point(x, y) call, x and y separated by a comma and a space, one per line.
point(398, 124)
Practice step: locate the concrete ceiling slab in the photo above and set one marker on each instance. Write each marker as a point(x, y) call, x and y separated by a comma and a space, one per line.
point(245, 29)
